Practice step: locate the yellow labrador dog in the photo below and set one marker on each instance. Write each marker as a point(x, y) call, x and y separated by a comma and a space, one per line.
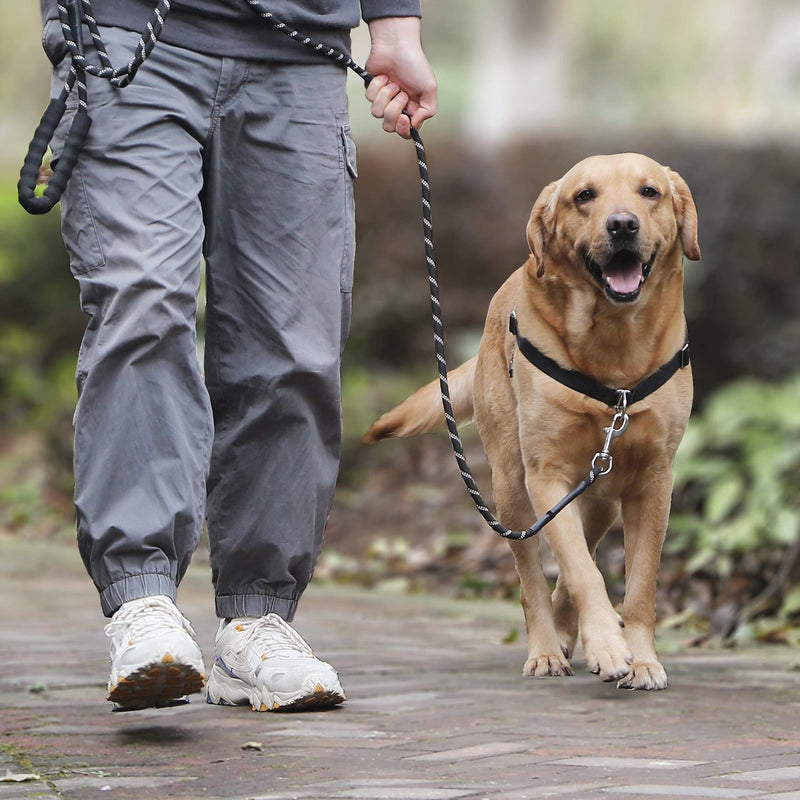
point(601, 296)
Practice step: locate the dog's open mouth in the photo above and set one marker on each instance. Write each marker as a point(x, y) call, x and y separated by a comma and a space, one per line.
point(623, 275)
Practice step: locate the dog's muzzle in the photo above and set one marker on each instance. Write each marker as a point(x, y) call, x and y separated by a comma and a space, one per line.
point(622, 276)
point(624, 270)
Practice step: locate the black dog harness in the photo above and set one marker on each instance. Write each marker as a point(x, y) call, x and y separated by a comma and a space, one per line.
point(585, 384)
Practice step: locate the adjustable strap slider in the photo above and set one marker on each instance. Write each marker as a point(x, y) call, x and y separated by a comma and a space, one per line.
point(512, 327)
point(685, 355)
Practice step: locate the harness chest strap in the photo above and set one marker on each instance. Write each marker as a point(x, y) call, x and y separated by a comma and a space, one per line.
point(585, 384)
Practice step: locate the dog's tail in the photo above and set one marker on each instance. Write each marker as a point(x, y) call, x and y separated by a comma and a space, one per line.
point(423, 411)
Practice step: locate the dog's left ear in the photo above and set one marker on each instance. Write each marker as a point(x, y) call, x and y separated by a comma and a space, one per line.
point(540, 225)
point(686, 215)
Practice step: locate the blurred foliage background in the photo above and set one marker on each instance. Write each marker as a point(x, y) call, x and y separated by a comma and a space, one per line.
point(527, 88)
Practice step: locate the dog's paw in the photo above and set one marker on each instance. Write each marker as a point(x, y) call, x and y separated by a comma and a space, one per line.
point(554, 665)
point(567, 644)
point(648, 675)
point(608, 658)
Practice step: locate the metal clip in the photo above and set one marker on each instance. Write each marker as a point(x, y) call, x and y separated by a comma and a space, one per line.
point(603, 462)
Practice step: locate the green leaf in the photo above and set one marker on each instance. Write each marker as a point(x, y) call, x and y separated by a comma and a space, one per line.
point(723, 498)
point(791, 604)
point(786, 528)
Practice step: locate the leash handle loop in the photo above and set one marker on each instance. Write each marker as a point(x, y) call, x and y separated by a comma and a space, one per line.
point(29, 174)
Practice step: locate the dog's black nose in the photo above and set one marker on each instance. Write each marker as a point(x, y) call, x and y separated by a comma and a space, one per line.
point(622, 224)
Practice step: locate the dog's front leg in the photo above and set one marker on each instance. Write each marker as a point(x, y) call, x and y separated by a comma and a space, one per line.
point(645, 521)
point(546, 654)
point(606, 651)
point(597, 515)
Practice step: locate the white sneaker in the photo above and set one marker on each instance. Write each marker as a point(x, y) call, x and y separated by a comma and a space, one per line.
point(264, 662)
point(155, 660)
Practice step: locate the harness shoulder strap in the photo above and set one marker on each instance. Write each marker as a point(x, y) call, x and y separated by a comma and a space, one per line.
point(585, 384)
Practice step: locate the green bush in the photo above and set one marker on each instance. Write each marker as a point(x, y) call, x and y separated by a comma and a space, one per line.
point(40, 320)
point(736, 514)
point(40, 328)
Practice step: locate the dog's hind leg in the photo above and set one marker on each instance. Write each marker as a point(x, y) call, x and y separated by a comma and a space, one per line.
point(565, 616)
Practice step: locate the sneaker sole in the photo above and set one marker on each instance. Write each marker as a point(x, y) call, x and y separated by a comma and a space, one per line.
point(225, 690)
point(156, 685)
point(317, 700)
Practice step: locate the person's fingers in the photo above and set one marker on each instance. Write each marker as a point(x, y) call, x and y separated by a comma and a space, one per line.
point(403, 127)
point(375, 85)
point(393, 111)
point(384, 97)
point(426, 105)
point(420, 114)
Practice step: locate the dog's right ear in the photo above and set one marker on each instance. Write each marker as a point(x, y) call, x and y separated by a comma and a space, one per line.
point(541, 225)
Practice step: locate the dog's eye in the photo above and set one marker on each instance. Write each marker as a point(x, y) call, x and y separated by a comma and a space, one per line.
point(585, 196)
point(649, 191)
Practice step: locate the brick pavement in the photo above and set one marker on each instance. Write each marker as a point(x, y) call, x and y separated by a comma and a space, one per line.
point(437, 710)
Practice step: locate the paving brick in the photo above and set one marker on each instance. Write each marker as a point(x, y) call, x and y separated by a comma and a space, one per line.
point(627, 763)
point(674, 792)
point(85, 784)
point(488, 750)
point(789, 774)
point(404, 792)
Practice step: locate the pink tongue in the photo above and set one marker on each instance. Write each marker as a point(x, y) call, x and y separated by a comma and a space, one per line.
point(624, 279)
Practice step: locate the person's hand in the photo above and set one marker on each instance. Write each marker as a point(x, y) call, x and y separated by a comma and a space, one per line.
point(402, 77)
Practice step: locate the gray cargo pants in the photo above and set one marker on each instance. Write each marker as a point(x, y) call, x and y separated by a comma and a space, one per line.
point(251, 165)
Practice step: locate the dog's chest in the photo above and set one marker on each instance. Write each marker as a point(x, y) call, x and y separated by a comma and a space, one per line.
point(561, 431)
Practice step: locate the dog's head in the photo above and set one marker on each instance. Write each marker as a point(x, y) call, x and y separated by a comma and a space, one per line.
point(611, 221)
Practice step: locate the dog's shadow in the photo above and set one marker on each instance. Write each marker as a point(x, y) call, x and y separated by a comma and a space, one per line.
point(585, 686)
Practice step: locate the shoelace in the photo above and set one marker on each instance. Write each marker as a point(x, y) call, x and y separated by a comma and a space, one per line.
point(147, 617)
point(272, 636)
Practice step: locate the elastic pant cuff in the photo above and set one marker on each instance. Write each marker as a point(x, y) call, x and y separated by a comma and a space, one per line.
point(134, 587)
point(255, 605)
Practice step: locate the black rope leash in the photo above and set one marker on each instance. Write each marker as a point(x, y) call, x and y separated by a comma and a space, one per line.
point(72, 14)
point(323, 49)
